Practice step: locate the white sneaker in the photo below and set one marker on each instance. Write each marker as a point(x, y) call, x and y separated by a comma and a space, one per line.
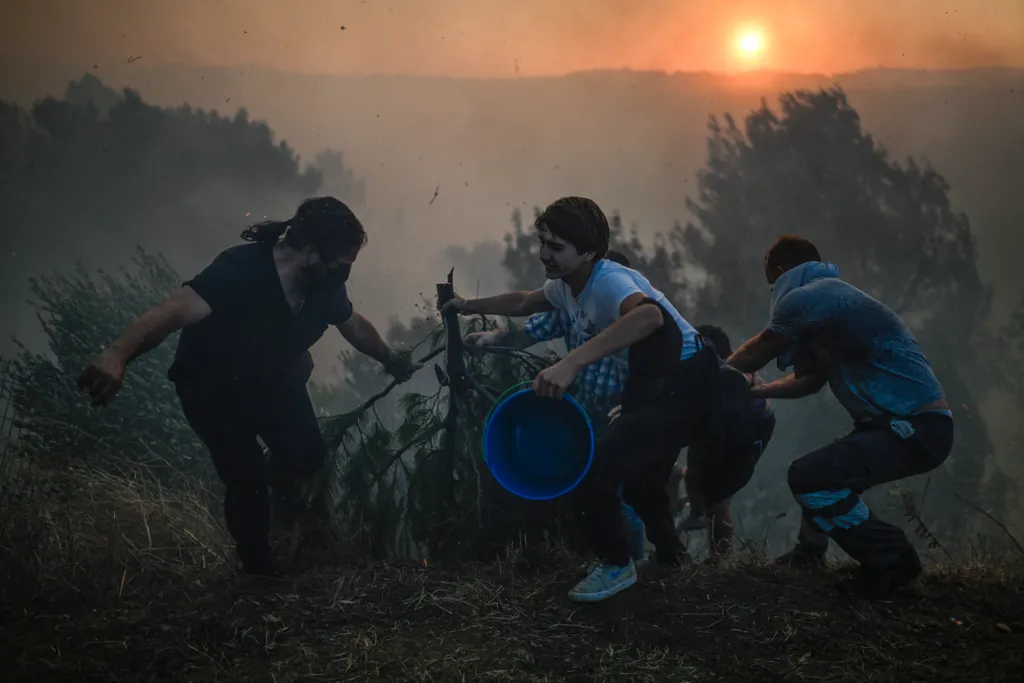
point(604, 581)
point(639, 564)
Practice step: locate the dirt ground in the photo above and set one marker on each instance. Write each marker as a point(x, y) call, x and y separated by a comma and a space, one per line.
point(512, 622)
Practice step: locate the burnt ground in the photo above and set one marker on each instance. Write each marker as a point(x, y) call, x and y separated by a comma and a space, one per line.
point(512, 622)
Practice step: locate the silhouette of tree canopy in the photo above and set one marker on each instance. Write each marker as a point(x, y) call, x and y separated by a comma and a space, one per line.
point(88, 177)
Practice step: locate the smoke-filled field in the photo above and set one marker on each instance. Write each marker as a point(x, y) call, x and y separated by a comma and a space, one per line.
point(416, 564)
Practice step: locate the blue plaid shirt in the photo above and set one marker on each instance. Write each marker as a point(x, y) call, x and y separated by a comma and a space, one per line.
point(599, 386)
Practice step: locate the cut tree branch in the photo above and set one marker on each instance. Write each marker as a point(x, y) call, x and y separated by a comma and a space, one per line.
point(421, 439)
point(365, 405)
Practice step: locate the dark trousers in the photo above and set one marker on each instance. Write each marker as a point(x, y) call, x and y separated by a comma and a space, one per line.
point(828, 484)
point(228, 419)
point(720, 475)
point(637, 452)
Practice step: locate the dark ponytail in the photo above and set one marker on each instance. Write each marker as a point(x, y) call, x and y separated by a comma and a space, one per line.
point(267, 232)
point(323, 222)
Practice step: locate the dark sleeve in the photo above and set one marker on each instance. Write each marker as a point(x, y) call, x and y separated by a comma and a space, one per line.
point(224, 283)
point(341, 307)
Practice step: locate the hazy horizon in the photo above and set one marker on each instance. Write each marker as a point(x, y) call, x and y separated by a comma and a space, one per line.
point(488, 149)
point(488, 38)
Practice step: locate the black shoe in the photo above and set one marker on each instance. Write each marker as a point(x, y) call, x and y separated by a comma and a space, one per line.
point(803, 556)
point(263, 563)
point(290, 508)
point(673, 558)
point(881, 584)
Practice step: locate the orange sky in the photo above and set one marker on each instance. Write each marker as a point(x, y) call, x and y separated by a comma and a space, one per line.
point(492, 37)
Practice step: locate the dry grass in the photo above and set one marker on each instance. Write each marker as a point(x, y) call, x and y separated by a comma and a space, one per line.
point(87, 536)
point(115, 605)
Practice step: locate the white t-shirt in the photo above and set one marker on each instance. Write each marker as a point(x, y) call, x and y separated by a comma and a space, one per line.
point(597, 306)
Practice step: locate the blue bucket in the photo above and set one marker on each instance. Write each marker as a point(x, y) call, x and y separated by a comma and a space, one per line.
point(537, 448)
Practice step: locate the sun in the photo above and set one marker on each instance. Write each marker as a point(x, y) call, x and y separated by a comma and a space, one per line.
point(750, 43)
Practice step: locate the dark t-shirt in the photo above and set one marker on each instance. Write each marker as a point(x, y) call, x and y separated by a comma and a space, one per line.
point(252, 337)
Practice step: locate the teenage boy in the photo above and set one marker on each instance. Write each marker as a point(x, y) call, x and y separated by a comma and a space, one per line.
point(616, 311)
point(598, 388)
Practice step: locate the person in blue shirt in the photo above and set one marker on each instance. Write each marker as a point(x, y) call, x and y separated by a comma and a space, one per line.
point(830, 332)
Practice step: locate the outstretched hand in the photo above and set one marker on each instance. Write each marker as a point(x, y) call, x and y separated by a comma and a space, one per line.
point(103, 378)
point(477, 340)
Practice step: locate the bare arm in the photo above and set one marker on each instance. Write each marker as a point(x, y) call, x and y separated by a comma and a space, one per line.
point(758, 351)
point(181, 309)
point(364, 338)
point(790, 386)
point(104, 376)
point(511, 304)
point(636, 322)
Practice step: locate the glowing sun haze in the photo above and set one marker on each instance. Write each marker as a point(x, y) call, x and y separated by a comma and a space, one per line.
point(750, 44)
point(525, 37)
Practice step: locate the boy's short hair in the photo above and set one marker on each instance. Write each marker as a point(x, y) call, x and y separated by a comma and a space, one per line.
point(617, 257)
point(790, 251)
point(717, 337)
point(580, 222)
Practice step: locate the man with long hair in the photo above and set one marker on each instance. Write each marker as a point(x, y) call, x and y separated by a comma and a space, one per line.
point(615, 311)
point(829, 331)
point(242, 362)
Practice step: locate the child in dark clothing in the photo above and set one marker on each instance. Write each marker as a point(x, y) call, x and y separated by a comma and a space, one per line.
point(697, 458)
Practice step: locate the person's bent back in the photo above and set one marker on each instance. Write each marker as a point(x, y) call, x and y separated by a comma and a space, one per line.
point(831, 332)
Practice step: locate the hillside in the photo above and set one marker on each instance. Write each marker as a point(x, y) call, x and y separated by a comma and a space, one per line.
point(109, 575)
point(105, 577)
point(511, 622)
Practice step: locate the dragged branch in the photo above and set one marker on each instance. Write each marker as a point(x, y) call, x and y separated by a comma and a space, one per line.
point(419, 440)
